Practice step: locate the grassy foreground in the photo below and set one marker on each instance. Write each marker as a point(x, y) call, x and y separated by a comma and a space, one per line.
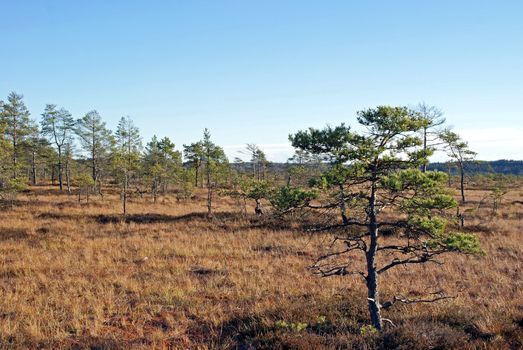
point(75, 275)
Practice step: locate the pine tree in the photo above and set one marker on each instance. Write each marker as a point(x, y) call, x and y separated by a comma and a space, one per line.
point(193, 153)
point(387, 192)
point(96, 141)
point(126, 156)
point(216, 164)
point(460, 153)
point(57, 125)
point(15, 118)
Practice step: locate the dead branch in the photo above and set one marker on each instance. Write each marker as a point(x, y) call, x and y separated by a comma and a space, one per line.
point(401, 299)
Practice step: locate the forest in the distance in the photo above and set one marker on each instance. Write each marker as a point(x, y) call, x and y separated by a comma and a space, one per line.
point(83, 152)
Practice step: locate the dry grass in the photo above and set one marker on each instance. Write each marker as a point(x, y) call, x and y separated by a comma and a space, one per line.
point(77, 276)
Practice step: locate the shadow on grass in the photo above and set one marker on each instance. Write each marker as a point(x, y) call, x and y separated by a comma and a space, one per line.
point(306, 323)
point(231, 222)
point(163, 218)
point(13, 234)
point(345, 325)
point(227, 221)
point(32, 203)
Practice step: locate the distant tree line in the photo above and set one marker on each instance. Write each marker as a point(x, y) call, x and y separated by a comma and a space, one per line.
point(502, 166)
point(63, 150)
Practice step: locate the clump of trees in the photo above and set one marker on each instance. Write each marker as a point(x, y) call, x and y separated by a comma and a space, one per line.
point(161, 165)
point(32, 153)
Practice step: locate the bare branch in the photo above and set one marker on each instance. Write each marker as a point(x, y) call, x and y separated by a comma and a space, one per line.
point(388, 321)
point(401, 299)
point(336, 271)
point(339, 226)
point(418, 259)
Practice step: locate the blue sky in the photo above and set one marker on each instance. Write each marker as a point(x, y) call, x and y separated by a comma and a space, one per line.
point(255, 71)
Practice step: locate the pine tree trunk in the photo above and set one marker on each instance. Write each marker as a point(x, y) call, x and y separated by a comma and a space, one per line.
point(53, 175)
point(343, 208)
point(209, 202)
point(462, 183)
point(124, 197)
point(15, 148)
point(209, 193)
point(155, 190)
point(60, 182)
point(372, 274)
point(93, 158)
point(196, 175)
point(424, 167)
point(33, 168)
point(94, 170)
point(67, 177)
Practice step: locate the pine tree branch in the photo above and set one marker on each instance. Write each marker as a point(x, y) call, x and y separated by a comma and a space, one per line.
point(401, 299)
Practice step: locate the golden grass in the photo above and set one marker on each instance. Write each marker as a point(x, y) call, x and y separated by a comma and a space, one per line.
point(73, 275)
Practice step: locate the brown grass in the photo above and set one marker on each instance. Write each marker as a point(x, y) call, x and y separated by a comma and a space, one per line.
point(78, 276)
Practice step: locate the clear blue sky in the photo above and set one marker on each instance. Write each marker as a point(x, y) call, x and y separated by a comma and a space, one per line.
point(255, 71)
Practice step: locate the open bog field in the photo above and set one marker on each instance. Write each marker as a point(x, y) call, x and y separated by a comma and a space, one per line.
point(76, 275)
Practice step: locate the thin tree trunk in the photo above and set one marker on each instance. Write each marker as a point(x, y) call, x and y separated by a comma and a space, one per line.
point(60, 183)
point(67, 177)
point(53, 175)
point(15, 148)
point(93, 157)
point(209, 193)
point(155, 190)
point(94, 170)
point(343, 208)
point(201, 180)
point(424, 167)
point(462, 183)
point(450, 179)
point(196, 175)
point(372, 274)
point(124, 197)
point(209, 202)
point(33, 167)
